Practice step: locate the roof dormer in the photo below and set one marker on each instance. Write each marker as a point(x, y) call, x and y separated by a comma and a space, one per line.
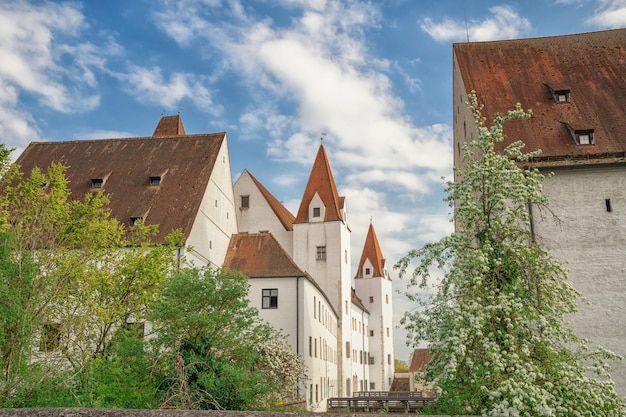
point(581, 136)
point(317, 210)
point(560, 95)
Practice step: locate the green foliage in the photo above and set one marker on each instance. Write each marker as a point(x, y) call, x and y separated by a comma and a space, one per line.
point(495, 320)
point(121, 377)
point(218, 354)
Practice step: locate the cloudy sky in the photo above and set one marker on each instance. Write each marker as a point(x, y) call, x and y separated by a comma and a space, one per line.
point(372, 78)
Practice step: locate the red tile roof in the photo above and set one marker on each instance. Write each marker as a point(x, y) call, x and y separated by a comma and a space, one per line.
point(371, 251)
point(283, 215)
point(169, 126)
point(184, 163)
point(419, 360)
point(321, 181)
point(260, 255)
point(357, 301)
point(590, 65)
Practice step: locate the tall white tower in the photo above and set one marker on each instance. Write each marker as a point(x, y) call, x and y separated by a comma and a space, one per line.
point(321, 246)
point(374, 287)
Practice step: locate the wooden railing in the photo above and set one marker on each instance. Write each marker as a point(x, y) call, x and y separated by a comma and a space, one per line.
point(394, 401)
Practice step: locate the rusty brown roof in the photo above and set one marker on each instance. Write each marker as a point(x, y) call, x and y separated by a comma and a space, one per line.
point(590, 65)
point(169, 126)
point(371, 251)
point(184, 164)
point(419, 360)
point(283, 215)
point(321, 181)
point(260, 255)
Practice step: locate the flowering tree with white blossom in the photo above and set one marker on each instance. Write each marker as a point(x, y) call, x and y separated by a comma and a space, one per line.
point(495, 322)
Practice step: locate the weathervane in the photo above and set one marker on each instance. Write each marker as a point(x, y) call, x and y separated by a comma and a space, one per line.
point(322, 136)
point(180, 108)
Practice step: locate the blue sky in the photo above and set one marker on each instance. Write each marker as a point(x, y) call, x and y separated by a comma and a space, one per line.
point(375, 77)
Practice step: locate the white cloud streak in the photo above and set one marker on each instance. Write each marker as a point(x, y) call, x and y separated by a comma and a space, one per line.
point(503, 23)
point(609, 14)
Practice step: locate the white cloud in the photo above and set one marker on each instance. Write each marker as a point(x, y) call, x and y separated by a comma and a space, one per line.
point(149, 86)
point(609, 14)
point(504, 23)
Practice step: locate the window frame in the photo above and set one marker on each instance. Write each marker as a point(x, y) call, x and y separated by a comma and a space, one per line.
point(271, 296)
point(320, 253)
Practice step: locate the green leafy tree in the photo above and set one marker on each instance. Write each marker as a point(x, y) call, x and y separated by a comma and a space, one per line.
point(217, 353)
point(495, 320)
point(71, 276)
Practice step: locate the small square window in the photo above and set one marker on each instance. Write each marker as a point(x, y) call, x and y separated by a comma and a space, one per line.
point(245, 201)
point(372, 333)
point(270, 298)
point(316, 212)
point(321, 253)
point(97, 182)
point(371, 299)
point(584, 137)
point(367, 271)
point(155, 181)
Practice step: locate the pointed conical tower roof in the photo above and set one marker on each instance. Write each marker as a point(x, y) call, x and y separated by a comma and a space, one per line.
point(321, 181)
point(371, 251)
point(169, 126)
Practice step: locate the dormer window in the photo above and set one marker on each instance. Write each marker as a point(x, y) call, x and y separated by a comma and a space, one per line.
point(155, 180)
point(582, 137)
point(97, 182)
point(560, 95)
point(367, 271)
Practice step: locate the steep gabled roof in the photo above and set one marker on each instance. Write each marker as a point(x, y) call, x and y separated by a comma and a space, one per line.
point(371, 251)
point(260, 255)
point(283, 215)
point(183, 163)
point(169, 126)
point(527, 71)
point(321, 181)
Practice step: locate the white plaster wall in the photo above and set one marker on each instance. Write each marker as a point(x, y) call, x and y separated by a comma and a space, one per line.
point(381, 322)
point(259, 216)
point(216, 220)
point(305, 316)
point(360, 370)
point(332, 275)
point(592, 243)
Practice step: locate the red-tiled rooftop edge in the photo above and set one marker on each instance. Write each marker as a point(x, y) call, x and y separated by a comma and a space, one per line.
point(284, 215)
point(371, 251)
point(590, 65)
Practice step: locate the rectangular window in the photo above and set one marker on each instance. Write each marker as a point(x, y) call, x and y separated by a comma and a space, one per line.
point(50, 337)
point(155, 181)
point(389, 359)
point(310, 346)
point(245, 201)
point(321, 253)
point(371, 360)
point(387, 298)
point(315, 348)
point(316, 212)
point(371, 332)
point(97, 182)
point(314, 307)
point(387, 331)
point(348, 350)
point(270, 298)
point(371, 299)
point(367, 271)
point(372, 386)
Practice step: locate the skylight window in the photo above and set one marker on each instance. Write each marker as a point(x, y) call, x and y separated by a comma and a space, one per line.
point(155, 180)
